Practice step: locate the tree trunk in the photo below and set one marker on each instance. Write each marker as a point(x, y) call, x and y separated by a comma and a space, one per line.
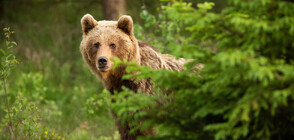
point(114, 8)
point(1, 9)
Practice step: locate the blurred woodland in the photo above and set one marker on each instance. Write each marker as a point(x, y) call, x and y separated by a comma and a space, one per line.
point(245, 90)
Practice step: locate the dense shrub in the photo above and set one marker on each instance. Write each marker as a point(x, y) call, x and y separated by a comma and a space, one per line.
point(244, 91)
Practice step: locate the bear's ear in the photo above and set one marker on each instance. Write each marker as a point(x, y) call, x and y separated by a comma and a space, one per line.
point(125, 23)
point(88, 23)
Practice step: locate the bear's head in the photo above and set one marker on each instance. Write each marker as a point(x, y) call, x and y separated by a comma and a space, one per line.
point(103, 40)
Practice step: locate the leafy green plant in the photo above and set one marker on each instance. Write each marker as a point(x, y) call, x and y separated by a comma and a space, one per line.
point(7, 62)
point(96, 105)
point(25, 119)
point(22, 116)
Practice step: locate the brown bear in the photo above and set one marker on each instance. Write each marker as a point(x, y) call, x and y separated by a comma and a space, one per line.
point(103, 40)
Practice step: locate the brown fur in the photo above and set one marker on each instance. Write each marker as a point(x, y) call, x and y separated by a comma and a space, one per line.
point(120, 33)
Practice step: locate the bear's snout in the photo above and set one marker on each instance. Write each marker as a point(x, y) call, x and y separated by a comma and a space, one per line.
point(102, 63)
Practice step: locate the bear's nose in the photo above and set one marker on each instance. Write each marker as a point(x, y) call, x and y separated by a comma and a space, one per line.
point(102, 61)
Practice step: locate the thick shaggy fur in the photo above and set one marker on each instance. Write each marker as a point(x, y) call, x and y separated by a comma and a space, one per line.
point(99, 39)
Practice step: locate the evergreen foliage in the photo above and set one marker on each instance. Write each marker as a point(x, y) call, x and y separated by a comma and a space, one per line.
point(245, 89)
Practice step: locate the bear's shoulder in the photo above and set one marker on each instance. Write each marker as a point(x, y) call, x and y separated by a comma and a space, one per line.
point(151, 56)
point(144, 44)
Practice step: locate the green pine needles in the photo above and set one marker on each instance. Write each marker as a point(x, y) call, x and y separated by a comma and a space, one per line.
point(244, 91)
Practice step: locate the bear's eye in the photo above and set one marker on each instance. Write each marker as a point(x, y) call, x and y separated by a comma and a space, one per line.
point(112, 46)
point(96, 45)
